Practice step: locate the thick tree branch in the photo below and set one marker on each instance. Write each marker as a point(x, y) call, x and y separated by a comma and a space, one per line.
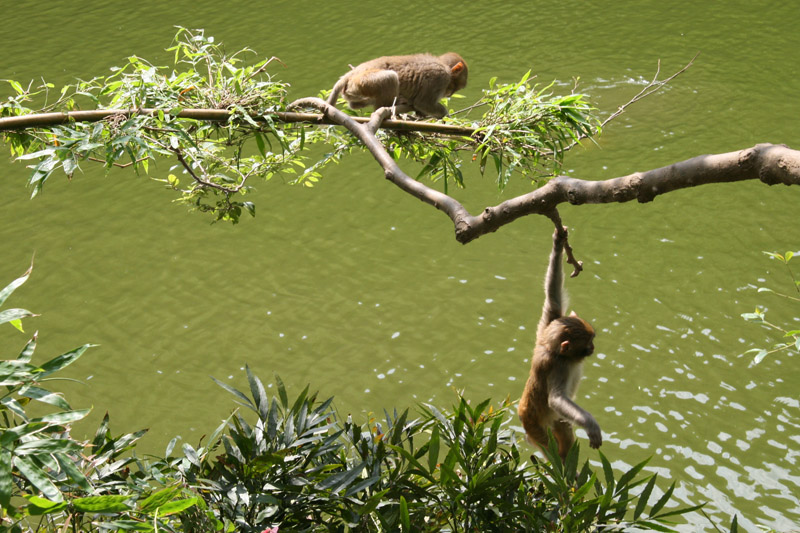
point(769, 163)
point(772, 164)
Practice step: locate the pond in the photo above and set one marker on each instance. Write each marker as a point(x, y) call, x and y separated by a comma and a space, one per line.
point(363, 293)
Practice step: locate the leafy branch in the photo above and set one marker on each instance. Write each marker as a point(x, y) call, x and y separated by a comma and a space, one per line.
point(225, 122)
point(759, 315)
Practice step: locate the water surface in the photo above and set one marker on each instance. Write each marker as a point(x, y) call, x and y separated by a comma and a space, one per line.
point(363, 292)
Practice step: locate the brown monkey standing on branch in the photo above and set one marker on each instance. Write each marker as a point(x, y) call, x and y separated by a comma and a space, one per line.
point(410, 83)
point(562, 343)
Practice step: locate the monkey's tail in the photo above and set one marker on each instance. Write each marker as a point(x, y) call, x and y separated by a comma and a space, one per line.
point(336, 91)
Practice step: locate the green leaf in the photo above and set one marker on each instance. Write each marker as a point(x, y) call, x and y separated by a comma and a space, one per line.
point(63, 360)
point(46, 446)
point(662, 502)
point(5, 478)
point(41, 506)
point(644, 497)
point(246, 401)
point(581, 492)
point(626, 478)
point(158, 499)
point(45, 396)
point(102, 504)
point(62, 418)
point(191, 454)
point(433, 450)
point(177, 506)
point(340, 480)
point(10, 435)
point(405, 520)
point(282, 392)
point(11, 315)
point(258, 392)
point(38, 478)
point(69, 468)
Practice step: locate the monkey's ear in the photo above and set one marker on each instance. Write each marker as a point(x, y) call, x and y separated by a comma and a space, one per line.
point(574, 314)
point(564, 347)
point(458, 67)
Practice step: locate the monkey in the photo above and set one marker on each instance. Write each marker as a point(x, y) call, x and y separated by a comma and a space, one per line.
point(410, 83)
point(562, 343)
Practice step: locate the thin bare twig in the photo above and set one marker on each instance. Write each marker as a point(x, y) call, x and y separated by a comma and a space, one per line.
point(651, 87)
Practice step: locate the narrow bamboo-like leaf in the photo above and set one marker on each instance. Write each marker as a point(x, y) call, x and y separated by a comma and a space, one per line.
point(10, 315)
point(405, 519)
point(10, 435)
point(735, 524)
point(581, 492)
point(42, 506)
point(654, 526)
point(64, 417)
point(102, 504)
point(272, 420)
point(171, 446)
point(191, 454)
point(63, 360)
point(101, 433)
point(157, 499)
point(433, 450)
point(177, 506)
point(282, 392)
point(258, 392)
point(338, 481)
point(73, 472)
point(27, 352)
point(246, 401)
point(662, 502)
point(363, 485)
point(626, 478)
point(644, 497)
point(5, 478)
point(682, 510)
point(47, 446)
point(45, 396)
point(38, 478)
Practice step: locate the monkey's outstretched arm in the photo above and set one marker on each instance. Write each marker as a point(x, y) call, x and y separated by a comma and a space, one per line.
point(571, 411)
point(553, 284)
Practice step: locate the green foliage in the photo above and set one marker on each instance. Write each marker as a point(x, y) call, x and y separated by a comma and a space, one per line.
point(523, 129)
point(49, 480)
point(759, 315)
point(296, 466)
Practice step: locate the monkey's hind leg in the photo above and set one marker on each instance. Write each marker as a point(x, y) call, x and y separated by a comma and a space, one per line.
point(562, 431)
point(373, 86)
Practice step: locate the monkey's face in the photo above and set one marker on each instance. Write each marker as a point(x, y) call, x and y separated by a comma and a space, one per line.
point(457, 82)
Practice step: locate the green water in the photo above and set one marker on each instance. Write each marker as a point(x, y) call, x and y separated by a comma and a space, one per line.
point(363, 292)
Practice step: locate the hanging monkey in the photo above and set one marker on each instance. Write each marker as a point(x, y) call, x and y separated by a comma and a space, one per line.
point(562, 343)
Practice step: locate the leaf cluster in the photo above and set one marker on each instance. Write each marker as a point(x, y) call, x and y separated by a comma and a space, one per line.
point(48, 479)
point(759, 315)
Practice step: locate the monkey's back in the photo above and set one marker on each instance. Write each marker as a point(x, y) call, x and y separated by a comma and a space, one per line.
point(416, 73)
point(533, 410)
